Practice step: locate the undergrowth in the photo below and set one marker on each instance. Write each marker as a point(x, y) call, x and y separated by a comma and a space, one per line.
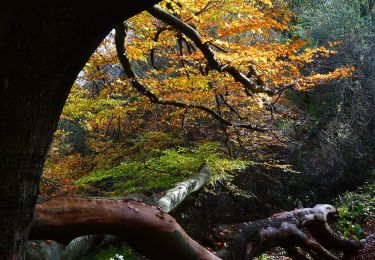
point(163, 169)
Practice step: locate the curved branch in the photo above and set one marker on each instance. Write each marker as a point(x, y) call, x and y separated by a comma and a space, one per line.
point(148, 230)
point(120, 36)
point(81, 246)
point(208, 53)
point(157, 235)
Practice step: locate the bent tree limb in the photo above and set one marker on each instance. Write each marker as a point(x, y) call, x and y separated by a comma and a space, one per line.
point(152, 232)
point(157, 235)
point(145, 228)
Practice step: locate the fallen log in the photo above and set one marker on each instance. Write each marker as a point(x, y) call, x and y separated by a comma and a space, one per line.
point(157, 235)
point(250, 239)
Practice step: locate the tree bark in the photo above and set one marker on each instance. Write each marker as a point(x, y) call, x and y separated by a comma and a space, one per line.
point(43, 46)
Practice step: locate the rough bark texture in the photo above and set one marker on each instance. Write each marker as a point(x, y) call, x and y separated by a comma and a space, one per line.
point(146, 228)
point(43, 46)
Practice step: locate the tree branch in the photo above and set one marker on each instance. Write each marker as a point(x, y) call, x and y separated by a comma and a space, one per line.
point(81, 246)
point(157, 235)
point(250, 239)
point(147, 229)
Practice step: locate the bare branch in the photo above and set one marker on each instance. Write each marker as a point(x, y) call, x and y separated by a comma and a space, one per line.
point(231, 108)
point(204, 9)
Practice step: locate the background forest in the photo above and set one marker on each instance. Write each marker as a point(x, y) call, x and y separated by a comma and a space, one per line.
point(277, 97)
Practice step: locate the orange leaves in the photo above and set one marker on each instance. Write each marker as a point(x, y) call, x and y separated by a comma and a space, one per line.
point(242, 34)
point(318, 79)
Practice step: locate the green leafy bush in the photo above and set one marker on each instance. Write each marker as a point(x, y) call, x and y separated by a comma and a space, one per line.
point(347, 221)
point(354, 207)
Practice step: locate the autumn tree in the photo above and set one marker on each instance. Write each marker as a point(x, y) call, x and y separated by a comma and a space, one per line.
point(225, 60)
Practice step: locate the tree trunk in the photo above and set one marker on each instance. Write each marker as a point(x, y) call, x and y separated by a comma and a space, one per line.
point(43, 46)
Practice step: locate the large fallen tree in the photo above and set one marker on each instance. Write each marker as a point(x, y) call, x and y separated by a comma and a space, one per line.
point(156, 234)
point(82, 245)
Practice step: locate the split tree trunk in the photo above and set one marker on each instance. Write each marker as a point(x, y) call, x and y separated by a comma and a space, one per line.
point(43, 46)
